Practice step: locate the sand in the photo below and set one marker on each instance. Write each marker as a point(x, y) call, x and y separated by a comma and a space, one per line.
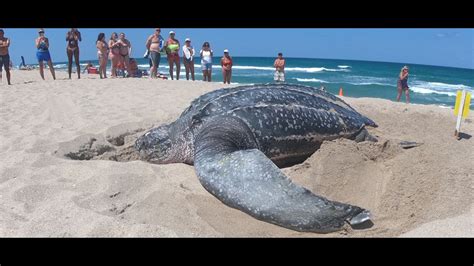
point(47, 191)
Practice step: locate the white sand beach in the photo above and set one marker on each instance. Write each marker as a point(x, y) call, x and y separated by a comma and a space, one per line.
point(418, 192)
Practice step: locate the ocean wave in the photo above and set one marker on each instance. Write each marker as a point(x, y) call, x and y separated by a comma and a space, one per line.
point(441, 85)
point(313, 69)
point(292, 69)
point(342, 66)
point(369, 83)
point(426, 87)
point(367, 80)
point(252, 68)
point(60, 66)
point(430, 91)
point(311, 80)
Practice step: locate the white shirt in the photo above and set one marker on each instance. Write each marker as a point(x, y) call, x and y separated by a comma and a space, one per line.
point(206, 57)
point(187, 52)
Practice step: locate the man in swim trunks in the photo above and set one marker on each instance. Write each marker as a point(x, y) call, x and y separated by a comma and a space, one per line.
point(279, 68)
point(172, 51)
point(153, 45)
point(73, 37)
point(188, 58)
point(125, 47)
point(4, 55)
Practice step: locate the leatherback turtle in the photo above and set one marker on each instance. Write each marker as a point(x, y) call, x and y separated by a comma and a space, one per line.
point(237, 138)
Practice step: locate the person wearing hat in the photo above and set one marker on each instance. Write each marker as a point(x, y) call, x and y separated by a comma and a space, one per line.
point(402, 84)
point(153, 46)
point(188, 58)
point(172, 52)
point(4, 55)
point(226, 63)
point(42, 54)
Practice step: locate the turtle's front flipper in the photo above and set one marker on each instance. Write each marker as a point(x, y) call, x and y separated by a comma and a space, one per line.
point(230, 166)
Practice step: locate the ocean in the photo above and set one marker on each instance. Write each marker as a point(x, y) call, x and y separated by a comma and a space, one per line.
point(428, 84)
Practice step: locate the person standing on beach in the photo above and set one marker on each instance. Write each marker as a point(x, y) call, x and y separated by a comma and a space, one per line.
point(226, 63)
point(279, 68)
point(125, 49)
point(114, 53)
point(153, 46)
point(4, 55)
point(188, 58)
point(102, 54)
point(73, 37)
point(402, 84)
point(42, 54)
point(206, 61)
point(172, 51)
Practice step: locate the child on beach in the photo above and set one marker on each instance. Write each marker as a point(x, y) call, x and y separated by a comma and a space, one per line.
point(226, 63)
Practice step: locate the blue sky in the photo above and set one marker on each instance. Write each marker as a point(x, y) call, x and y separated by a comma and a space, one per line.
point(440, 47)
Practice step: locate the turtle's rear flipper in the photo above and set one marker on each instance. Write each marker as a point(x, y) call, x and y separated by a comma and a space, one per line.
point(231, 168)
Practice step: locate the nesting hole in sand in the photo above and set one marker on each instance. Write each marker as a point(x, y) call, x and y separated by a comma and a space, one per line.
point(117, 144)
point(88, 150)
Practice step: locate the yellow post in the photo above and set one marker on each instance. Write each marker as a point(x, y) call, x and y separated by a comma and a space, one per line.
point(461, 109)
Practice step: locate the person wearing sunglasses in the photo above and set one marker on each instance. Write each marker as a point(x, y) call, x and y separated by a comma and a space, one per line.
point(402, 84)
point(206, 61)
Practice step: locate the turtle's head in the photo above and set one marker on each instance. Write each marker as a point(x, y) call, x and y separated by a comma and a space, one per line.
point(156, 146)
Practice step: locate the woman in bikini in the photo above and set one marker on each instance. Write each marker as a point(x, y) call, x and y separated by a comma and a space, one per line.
point(102, 53)
point(114, 53)
point(153, 45)
point(125, 47)
point(172, 50)
point(73, 37)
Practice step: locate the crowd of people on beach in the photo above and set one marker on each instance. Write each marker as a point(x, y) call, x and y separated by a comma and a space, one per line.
point(118, 50)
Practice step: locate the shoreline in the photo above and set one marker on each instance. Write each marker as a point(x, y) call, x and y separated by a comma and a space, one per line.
point(183, 75)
